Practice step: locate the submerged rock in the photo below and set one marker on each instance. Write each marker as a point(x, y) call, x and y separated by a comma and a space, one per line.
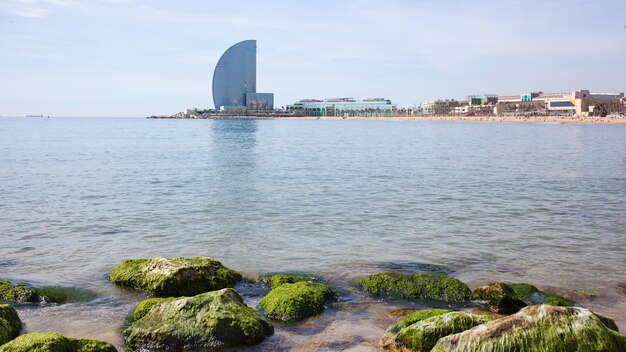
point(429, 286)
point(540, 328)
point(498, 297)
point(275, 280)
point(208, 320)
point(16, 293)
point(531, 295)
point(296, 301)
point(421, 330)
point(10, 323)
point(176, 276)
point(47, 294)
point(53, 342)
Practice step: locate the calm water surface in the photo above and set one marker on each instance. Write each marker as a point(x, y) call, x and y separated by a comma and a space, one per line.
point(544, 204)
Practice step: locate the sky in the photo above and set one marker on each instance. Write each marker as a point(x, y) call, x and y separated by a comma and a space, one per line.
point(141, 58)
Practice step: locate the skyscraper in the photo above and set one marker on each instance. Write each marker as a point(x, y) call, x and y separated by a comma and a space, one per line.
point(235, 77)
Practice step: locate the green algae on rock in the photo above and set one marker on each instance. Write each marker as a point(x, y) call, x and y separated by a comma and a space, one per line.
point(428, 286)
point(539, 328)
point(175, 276)
point(209, 320)
point(146, 305)
point(415, 317)
point(498, 297)
point(54, 342)
point(422, 332)
point(47, 294)
point(16, 293)
point(276, 280)
point(531, 295)
point(296, 301)
point(10, 323)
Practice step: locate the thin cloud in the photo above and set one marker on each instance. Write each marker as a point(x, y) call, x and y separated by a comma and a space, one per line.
point(31, 12)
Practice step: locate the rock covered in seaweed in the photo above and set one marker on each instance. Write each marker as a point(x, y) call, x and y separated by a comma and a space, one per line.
point(16, 293)
point(498, 297)
point(209, 320)
point(47, 294)
point(175, 276)
point(275, 280)
point(540, 328)
point(53, 342)
point(421, 330)
point(10, 323)
point(532, 295)
point(296, 301)
point(428, 286)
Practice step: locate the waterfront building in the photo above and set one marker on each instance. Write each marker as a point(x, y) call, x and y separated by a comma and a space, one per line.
point(234, 79)
point(580, 102)
point(344, 107)
point(441, 107)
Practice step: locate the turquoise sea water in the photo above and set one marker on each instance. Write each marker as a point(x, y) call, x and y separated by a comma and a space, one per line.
point(544, 204)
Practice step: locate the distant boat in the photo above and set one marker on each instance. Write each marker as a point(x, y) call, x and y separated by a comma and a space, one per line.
point(40, 115)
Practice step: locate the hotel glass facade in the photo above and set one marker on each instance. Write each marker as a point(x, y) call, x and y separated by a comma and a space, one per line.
point(235, 75)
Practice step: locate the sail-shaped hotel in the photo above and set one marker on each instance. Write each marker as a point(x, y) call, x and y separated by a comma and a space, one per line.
point(234, 80)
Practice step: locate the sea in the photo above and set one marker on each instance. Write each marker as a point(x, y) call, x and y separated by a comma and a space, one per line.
point(516, 202)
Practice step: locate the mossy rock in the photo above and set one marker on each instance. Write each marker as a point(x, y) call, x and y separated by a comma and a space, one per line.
point(10, 323)
point(209, 320)
point(415, 317)
point(275, 280)
point(296, 301)
point(498, 297)
point(53, 342)
point(47, 294)
point(426, 286)
point(532, 295)
point(17, 293)
point(539, 328)
point(175, 276)
point(422, 332)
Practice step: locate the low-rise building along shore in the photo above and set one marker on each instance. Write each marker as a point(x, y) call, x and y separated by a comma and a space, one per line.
point(344, 107)
point(580, 102)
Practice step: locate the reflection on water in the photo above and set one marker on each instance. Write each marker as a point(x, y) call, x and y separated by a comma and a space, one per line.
point(542, 204)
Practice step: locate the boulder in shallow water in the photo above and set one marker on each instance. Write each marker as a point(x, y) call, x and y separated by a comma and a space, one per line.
point(531, 296)
point(421, 330)
point(540, 328)
point(498, 297)
point(296, 301)
point(16, 293)
point(427, 286)
point(209, 320)
point(53, 342)
point(175, 276)
point(42, 295)
point(275, 280)
point(10, 323)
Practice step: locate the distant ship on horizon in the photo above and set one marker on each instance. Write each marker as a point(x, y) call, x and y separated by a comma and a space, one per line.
point(40, 115)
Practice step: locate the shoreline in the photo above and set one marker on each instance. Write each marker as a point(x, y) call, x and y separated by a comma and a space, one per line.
point(580, 120)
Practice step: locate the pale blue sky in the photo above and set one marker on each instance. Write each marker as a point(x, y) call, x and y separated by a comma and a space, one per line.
point(139, 57)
